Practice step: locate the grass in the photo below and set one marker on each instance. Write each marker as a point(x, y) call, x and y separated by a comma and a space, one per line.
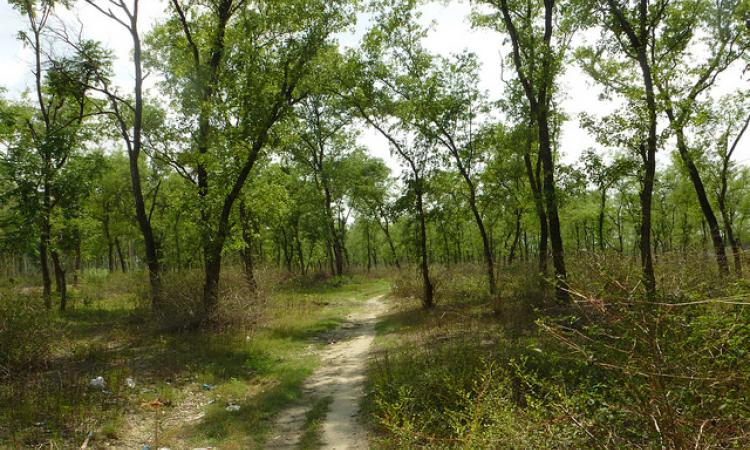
point(609, 370)
point(184, 380)
point(311, 436)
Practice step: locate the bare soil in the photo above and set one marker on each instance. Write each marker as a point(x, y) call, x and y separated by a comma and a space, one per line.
point(340, 379)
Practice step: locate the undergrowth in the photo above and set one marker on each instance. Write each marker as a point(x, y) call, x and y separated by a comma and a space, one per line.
point(608, 370)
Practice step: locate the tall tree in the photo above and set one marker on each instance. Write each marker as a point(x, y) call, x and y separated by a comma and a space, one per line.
point(376, 76)
point(729, 122)
point(537, 56)
point(447, 110)
point(323, 141)
point(681, 78)
point(55, 131)
point(630, 30)
point(236, 83)
point(128, 114)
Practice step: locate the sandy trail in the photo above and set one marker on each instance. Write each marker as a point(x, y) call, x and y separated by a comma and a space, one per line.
point(341, 378)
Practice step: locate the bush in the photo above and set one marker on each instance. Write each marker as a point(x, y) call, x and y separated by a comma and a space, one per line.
point(25, 333)
point(463, 283)
point(182, 300)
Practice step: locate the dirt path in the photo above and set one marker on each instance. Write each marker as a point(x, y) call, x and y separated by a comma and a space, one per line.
point(340, 379)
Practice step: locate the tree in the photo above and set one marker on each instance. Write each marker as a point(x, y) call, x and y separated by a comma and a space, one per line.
point(373, 92)
point(680, 80)
point(237, 84)
point(322, 142)
point(537, 56)
point(630, 30)
point(128, 114)
point(604, 176)
point(725, 127)
point(54, 132)
point(446, 109)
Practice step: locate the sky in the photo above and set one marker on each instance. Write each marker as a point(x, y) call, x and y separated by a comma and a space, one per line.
point(452, 33)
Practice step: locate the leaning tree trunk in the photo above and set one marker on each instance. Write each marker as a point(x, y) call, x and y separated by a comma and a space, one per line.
point(384, 226)
point(700, 191)
point(488, 257)
point(121, 256)
point(736, 250)
point(600, 224)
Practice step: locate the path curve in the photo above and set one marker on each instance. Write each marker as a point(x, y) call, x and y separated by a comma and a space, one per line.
point(340, 377)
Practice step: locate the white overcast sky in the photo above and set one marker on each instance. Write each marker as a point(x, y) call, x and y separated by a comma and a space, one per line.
point(452, 33)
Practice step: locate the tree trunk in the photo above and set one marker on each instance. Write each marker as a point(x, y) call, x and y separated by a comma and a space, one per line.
point(516, 238)
point(110, 257)
point(488, 257)
point(247, 251)
point(44, 265)
point(60, 283)
point(300, 253)
point(369, 246)
point(143, 219)
point(121, 256)
point(648, 155)
point(386, 229)
point(602, 206)
point(487, 249)
point(338, 254)
point(541, 214)
point(77, 262)
point(736, 250)
point(550, 199)
point(212, 272)
point(700, 191)
point(621, 247)
point(427, 296)
point(176, 233)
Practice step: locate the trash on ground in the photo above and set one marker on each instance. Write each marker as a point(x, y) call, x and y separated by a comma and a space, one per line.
point(233, 408)
point(129, 382)
point(98, 383)
point(156, 404)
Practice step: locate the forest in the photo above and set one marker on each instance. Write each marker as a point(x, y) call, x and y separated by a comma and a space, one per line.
point(294, 224)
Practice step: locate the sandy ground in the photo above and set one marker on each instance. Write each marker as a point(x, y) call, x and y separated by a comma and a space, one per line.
point(341, 378)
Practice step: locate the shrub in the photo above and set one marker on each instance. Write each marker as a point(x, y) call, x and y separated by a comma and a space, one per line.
point(182, 300)
point(25, 332)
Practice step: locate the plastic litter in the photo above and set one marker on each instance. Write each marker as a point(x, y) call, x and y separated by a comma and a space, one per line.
point(207, 387)
point(233, 408)
point(98, 383)
point(129, 382)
